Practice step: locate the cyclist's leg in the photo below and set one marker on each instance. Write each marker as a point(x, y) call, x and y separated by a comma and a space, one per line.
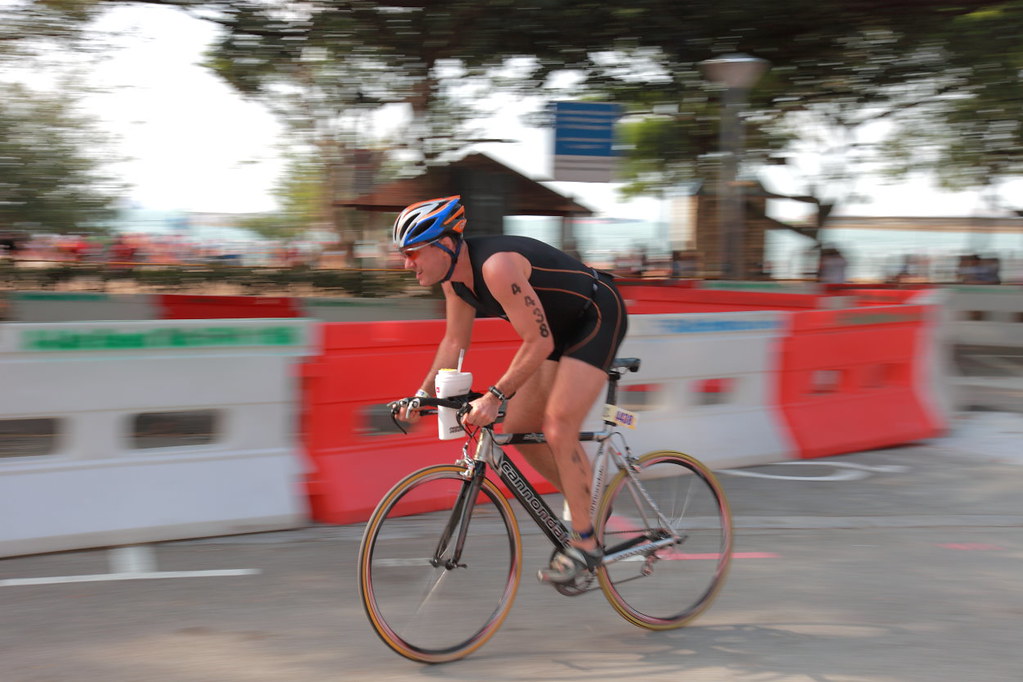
point(580, 379)
point(525, 415)
point(577, 385)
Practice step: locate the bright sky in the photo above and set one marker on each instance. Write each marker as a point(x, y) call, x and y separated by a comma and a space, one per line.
point(195, 145)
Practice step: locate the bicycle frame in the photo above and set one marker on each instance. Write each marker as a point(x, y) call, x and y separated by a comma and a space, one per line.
point(489, 453)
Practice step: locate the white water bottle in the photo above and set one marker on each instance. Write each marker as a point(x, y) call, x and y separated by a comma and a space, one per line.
point(450, 382)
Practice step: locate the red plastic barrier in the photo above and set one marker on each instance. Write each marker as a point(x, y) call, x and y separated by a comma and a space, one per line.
point(875, 294)
point(649, 299)
point(184, 307)
point(847, 380)
point(361, 366)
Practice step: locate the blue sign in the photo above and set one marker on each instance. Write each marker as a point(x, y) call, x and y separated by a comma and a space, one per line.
point(703, 326)
point(584, 141)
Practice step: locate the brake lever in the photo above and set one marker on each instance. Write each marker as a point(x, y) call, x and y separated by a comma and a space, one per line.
point(465, 409)
point(397, 406)
point(395, 409)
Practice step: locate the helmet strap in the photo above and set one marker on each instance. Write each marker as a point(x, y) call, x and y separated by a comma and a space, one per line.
point(453, 254)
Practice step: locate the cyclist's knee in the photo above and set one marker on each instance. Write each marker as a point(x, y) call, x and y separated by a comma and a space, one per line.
point(558, 428)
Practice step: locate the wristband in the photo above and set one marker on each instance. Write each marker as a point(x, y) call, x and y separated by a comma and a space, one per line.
point(422, 394)
point(496, 392)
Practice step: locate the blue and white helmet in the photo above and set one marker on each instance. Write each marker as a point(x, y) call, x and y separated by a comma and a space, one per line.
point(428, 221)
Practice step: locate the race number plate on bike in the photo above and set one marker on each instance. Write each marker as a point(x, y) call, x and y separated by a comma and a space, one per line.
point(616, 415)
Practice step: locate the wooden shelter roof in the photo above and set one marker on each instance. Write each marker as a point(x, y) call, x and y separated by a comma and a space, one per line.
point(525, 195)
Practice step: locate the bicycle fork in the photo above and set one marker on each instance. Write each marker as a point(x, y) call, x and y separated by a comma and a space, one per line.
point(460, 516)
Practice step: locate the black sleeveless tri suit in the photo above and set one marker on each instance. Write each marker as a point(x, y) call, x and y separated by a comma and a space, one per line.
point(584, 309)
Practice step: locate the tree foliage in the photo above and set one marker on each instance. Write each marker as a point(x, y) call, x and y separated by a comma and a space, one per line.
point(943, 75)
point(303, 200)
point(837, 66)
point(841, 72)
point(48, 179)
point(28, 27)
point(51, 156)
point(972, 136)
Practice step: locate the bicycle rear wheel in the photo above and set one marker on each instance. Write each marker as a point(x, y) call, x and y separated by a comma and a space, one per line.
point(422, 608)
point(667, 587)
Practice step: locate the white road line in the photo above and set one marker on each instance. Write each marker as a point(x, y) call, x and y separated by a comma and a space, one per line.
point(109, 577)
point(850, 471)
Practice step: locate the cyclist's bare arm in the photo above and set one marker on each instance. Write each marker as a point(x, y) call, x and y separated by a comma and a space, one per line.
point(507, 278)
point(457, 335)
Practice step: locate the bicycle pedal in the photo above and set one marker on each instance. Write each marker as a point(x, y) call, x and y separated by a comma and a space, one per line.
point(581, 585)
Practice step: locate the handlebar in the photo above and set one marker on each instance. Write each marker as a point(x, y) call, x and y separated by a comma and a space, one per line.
point(456, 402)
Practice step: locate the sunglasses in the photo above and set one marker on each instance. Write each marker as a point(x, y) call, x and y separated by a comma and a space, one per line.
point(413, 252)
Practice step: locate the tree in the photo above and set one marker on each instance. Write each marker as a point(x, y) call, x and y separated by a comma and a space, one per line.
point(51, 157)
point(316, 67)
point(839, 64)
point(301, 197)
point(47, 180)
point(837, 67)
point(973, 135)
point(28, 27)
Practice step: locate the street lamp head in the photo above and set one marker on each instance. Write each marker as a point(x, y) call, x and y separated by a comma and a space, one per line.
point(734, 70)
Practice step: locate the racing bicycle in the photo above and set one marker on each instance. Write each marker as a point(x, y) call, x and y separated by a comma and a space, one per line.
point(441, 555)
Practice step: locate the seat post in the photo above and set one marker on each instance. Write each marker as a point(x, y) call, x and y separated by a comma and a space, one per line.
point(612, 387)
point(618, 368)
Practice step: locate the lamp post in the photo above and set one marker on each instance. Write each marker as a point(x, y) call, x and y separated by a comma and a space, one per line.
point(737, 73)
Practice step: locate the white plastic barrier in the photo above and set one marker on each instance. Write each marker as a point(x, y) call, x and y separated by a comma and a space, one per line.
point(984, 324)
point(933, 375)
point(705, 386)
point(46, 306)
point(128, 432)
point(987, 316)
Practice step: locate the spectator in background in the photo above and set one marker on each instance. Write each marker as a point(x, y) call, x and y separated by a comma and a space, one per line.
point(676, 263)
point(684, 263)
point(832, 266)
point(971, 269)
point(990, 271)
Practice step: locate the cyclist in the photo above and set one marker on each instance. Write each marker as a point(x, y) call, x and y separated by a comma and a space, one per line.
point(570, 319)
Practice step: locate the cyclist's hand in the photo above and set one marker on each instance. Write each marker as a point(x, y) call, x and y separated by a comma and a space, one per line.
point(407, 414)
point(405, 411)
point(484, 410)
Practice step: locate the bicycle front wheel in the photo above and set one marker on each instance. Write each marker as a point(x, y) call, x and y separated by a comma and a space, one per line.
point(422, 603)
point(673, 500)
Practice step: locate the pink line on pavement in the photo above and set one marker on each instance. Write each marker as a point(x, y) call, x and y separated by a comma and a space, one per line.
point(713, 556)
point(618, 524)
point(971, 546)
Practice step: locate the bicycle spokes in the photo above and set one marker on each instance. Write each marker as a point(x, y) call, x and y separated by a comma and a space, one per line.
point(433, 587)
point(673, 502)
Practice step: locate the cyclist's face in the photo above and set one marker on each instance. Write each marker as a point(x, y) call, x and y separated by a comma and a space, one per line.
point(428, 263)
